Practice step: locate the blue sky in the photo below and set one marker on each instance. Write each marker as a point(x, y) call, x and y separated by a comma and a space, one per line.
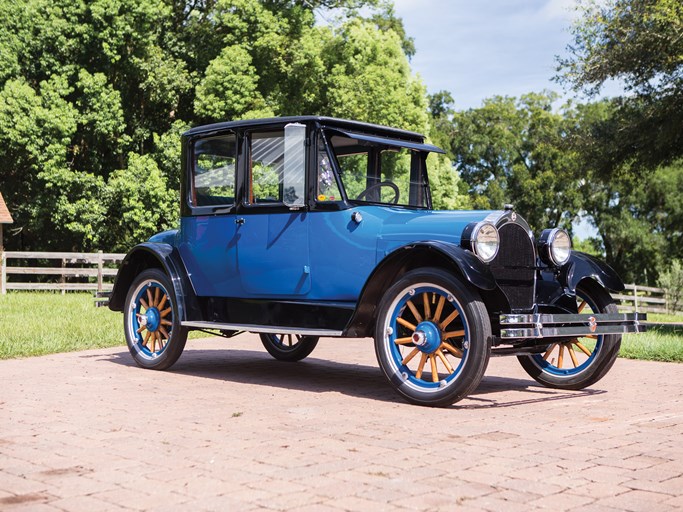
point(478, 49)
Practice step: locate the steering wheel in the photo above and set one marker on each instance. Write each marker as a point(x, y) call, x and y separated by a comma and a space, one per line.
point(371, 188)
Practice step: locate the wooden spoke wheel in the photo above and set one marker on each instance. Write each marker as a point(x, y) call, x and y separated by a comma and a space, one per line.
point(151, 322)
point(582, 361)
point(433, 337)
point(288, 347)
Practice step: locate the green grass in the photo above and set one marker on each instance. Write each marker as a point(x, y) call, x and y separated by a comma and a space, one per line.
point(35, 323)
point(659, 343)
point(661, 317)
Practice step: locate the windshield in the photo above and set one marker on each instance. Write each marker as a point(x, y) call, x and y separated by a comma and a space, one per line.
point(379, 173)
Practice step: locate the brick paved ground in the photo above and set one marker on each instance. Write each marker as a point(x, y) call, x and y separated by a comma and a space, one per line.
point(237, 430)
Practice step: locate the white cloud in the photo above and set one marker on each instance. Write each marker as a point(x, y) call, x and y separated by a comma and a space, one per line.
point(564, 10)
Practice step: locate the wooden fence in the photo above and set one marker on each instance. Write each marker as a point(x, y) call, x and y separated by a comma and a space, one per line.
point(645, 299)
point(95, 272)
point(76, 271)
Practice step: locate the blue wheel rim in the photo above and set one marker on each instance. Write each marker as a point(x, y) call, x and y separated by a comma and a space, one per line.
point(278, 340)
point(548, 363)
point(431, 310)
point(151, 319)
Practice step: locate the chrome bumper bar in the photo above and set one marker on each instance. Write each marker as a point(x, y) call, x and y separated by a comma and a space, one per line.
point(548, 325)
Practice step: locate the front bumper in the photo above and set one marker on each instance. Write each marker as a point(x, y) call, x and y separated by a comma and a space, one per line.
point(542, 325)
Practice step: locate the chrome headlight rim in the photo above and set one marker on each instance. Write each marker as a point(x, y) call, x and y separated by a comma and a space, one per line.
point(477, 244)
point(548, 248)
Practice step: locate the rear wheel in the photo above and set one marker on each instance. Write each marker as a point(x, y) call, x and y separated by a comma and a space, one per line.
point(582, 361)
point(432, 337)
point(288, 347)
point(151, 321)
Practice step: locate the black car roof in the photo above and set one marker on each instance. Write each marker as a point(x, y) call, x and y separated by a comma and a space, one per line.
point(331, 122)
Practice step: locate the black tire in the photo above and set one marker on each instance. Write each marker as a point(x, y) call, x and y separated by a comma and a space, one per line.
point(594, 357)
point(288, 347)
point(450, 322)
point(150, 318)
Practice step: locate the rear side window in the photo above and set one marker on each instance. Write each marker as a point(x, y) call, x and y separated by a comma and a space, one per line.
point(278, 166)
point(215, 160)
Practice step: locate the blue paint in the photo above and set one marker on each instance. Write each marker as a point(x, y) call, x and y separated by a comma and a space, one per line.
point(432, 335)
point(153, 319)
point(319, 255)
point(396, 351)
point(152, 316)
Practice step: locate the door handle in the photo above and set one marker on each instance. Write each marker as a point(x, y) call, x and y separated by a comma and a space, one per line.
point(239, 221)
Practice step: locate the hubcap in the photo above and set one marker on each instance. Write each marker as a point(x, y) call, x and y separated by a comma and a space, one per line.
point(427, 337)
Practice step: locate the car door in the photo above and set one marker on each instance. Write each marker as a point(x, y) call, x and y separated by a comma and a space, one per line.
point(272, 228)
point(208, 244)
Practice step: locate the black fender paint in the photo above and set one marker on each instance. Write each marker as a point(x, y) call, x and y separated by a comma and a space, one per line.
point(156, 255)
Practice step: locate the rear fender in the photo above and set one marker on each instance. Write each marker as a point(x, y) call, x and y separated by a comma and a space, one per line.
point(156, 255)
point(409, 257)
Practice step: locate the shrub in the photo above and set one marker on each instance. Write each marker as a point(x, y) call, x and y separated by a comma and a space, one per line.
point(672, 282)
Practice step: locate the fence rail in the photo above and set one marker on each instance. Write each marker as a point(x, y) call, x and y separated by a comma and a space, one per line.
point(77, 270)
point(645, 299)
point(97, 277)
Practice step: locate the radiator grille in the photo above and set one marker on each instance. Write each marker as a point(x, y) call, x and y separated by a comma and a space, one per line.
point(514, 266)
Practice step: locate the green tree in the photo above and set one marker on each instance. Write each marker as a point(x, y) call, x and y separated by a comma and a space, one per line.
point(640, 43)
point(672, 281)
point(638, 217)
point(512, 151)
point(95, 94)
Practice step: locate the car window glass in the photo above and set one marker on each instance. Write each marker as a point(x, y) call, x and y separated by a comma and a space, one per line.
point(388, 181)
point(267, 163)
point(328, 190)
point(214, 171)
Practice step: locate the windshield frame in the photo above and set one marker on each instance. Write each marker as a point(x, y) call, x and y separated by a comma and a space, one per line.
point(418, 179)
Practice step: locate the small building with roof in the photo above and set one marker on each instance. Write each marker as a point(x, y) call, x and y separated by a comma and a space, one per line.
point(5, 218)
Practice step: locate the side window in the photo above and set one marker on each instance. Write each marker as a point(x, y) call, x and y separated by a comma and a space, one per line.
point(328, 189)
point(267, 161)
point(277, 166)
point(214, 171)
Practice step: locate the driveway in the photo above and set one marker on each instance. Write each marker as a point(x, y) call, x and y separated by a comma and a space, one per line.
point(230, 428)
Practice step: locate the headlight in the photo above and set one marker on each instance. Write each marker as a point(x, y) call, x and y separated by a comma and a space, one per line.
point(484, 241)
point(555, 246)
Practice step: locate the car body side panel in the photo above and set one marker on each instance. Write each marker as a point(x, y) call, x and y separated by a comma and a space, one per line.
point(272, 254)
point(208, 247)
point(344, 252)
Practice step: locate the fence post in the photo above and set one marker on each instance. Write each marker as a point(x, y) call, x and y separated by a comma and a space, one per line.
point(62, 279)
point(635, 298)
point(99, 271)
point(3, 272)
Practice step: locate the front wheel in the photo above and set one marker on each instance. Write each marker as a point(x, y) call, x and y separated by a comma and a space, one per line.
point(582, 361)
point(151, 321)
point(432, 337)
point(288, 347)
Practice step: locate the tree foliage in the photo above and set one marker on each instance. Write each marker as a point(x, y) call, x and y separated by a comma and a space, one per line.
point(94, 95)
point(512, 151)
point(672, 281)
point(640, 43)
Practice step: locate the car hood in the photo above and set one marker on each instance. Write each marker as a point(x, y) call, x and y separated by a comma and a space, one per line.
point(411, 226)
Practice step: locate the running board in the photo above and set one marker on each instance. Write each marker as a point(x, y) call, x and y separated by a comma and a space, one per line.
point(262, 328)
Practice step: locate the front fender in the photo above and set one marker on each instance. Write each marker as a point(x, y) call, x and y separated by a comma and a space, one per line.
point(156, 255)
point(410, 257)
point(584, 266)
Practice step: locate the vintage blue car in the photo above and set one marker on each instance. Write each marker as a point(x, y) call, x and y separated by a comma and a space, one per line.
point(302, 227)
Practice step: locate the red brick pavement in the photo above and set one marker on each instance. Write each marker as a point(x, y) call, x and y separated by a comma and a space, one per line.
point(229, 428)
